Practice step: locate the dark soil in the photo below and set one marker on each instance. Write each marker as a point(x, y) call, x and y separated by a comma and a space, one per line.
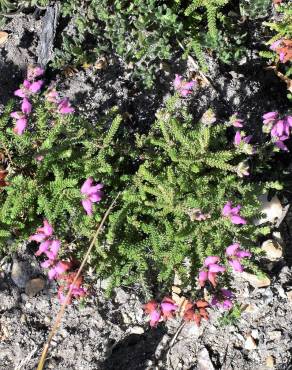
point(112, 334)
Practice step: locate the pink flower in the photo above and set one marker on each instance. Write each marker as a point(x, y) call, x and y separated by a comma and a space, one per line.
point(52, 95)
point(223, 299)
point(235, 121)
point(210, 271)
point(20, 126)
point(58, 269)
point(281, 145)
point(39, 158)
point(168, 307)
point(270, 117)
point(151, 308)
point(28, 88)
point(91, 194)
point(238, 138)
point(275, 44)
point(26, 106)
point(281, 130)
point(42, 232)
point(233, 213)
point(183, 87)
point(64, 107)
point(235, 254)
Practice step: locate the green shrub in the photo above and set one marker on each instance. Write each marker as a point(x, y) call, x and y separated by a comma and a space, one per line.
point(141, 32)
point(179, 168)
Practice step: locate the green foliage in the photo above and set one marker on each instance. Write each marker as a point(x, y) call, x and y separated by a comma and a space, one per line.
point(254, 9)
point(12, 5)
point(141, 32)
point(180, 167)
point(184, 169)
point(231, 317)
point(72, 150)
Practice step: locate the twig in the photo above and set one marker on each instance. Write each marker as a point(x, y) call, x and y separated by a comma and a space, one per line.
point(15, 14)
point(68, 296)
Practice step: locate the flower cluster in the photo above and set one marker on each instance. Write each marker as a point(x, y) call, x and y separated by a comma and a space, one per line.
point(283, 48)
point(77, 290)
point(279, 129)
point(233, 213)
point(210, 271)
point(159, 312)
point(90, 194)
point(63, 106)
point(183, 87)
point(29, 87)
point(56, 268)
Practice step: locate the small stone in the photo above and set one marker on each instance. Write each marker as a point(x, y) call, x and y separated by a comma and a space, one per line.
point(270, 361)
point(272, 210)
point(204, 361)
point(275, 335)
point(255, 334)
point(250, 308)
point(289, 296)
point(273, 249)
point(34, 286)
point(3, 37)
point(20, 273)
point(136, 330)
point(250, 343)
point(256, 281)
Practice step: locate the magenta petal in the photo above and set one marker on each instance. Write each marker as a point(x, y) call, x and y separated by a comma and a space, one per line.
point(281, 145)
point(237, 220)
point(227, 209)
point(216, 268)
point(211, 260)
point(52, 273)
point(96, 197)
point(243, 254)
point(16, 115)
point(85, 188)
point(20, 126)
point(47, 229)
point(36, 86)
point(37, 237)
point(44, 246)
point(177, 82)
point(236, 265)
point(94, 189)
point(20, 93)
point(154, 317)
point(168, 307)
point(46, 264)
point(227, 304)
point(237, 138)
point(87, 205)
point(230, 251)
point(227, 293)
point(203, 277)
point(26, 106)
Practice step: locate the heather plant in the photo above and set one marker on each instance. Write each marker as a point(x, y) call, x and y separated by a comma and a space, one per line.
point(141, 33)
point(191, 198)
point(47, 153)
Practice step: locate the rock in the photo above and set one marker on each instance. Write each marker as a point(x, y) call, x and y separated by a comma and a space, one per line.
point(250, 308)
point(275, 335)
point(250, 343)
point(204, 361)
point(256, 281)
point(270, 361)
point(136, 330)
point(20, 273)
point(34, 286)
point(273, 249)
point(272, 209)
point(255, 334)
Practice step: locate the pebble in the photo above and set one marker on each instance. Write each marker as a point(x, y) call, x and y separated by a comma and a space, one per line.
point(34, 286)
point(204, 361)
point(272, 210)
point(270, 362)
point(275, 335)
point(250, 343)
point(136, 330)
point(289, 296)
point(273, 249)
point(20, 273)
point(256, 281)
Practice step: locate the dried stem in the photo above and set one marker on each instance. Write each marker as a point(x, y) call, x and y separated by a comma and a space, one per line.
point(68, 296)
